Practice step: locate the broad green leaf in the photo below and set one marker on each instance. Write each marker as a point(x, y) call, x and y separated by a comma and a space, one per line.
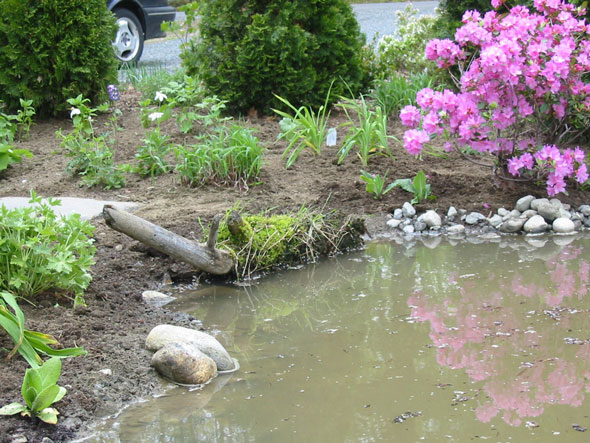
point(49, 373)
point(29, 394)
point(49, 415)
point(12, 408)
point(405, 184)
point(45, 398)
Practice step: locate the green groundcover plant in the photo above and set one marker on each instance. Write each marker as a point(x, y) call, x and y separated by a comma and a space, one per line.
point(41, 251)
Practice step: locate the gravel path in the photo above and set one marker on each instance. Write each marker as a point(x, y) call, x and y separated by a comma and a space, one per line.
point(374, 18)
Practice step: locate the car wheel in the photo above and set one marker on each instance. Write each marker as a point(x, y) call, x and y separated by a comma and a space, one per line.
point(128, 43)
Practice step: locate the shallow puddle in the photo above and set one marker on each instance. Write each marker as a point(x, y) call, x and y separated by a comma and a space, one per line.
point(455, 343)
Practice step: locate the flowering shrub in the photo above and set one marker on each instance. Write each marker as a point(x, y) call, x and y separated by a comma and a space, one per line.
point(520, 87)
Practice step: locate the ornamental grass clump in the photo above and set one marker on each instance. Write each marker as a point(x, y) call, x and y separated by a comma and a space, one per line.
point(523, 95)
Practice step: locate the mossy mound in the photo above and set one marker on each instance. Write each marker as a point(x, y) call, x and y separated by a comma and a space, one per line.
point(259, 243)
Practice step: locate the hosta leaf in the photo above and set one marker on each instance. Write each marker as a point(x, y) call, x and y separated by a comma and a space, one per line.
point(12, 408)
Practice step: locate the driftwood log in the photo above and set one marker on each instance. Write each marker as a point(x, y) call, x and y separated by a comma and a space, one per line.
point(202, 256)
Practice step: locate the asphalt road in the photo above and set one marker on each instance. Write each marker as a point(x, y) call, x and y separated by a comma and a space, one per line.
point(374, 18)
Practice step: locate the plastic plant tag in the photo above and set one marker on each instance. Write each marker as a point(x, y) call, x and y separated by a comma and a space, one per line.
point(331, 137)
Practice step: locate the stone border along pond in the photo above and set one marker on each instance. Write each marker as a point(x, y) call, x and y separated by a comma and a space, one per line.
point(530, 216)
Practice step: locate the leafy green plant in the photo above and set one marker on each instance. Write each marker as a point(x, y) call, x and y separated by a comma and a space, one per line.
point(24, 117)
point(40, 251)
point(419, 186)
point(29, 343)
point(304, 128)
point(248, 51)
point(152, 154)
point(51, 50)
point(9, 155)
point(40, 391)
point(229, 156)
point(90, 153)
point(375, 184)
point(369, 136)
point(398, 91)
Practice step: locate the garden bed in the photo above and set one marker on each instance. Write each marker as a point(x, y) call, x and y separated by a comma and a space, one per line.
point(115, 322)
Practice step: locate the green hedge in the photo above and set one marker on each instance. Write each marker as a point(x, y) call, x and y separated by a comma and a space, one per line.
point(52, 50)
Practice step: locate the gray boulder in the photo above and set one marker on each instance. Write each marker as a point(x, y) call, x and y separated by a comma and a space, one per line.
point(452, 213)
point(474, 217)
point(548, 211)
point(536, 224)
point(456, 229)
point(563, 225)
point(398, 214)
point(162, 335)
point(512, 225)
point(184, 363)
point(431, 218)
point(524, 203)
point(585, 210)
point(536, 202)
point(408, 210)
point(495, 220)
point(393, 223)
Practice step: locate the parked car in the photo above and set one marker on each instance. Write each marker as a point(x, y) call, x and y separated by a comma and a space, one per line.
point(138, 20)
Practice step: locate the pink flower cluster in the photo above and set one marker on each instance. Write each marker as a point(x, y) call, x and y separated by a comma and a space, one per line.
point(520, 72)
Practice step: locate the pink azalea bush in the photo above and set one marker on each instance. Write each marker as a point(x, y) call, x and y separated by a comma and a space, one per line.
point(521, 82)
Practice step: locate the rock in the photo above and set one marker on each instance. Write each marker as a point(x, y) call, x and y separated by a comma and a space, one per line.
point(161, 335)
point(184, 363)
point(556, 202)
point(577, 224)
point(474, 217)
point(452, 213)
point(408, 210)
point(456, 229)
point(155, 298)
point(587, 222)
point(528, 214)
point(536, 202)
point(536, 224)
point(548, 211)
point(408, 229)
point(398, 214)
point(563, 225)
point(431, 218)
point(495, 220)
point(106, 372)
point(502, 212)
point(512, 225)
point(393, 223)
point(514, 213)
point(585, 210)
point(524, 203)
point(419, 226)
point(565, 214)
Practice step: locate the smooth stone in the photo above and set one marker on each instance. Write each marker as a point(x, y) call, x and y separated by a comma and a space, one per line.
point(452, 212)
point(495, 220)
point(474, 217)
point(556, 202)
point(420, 226)
point(563, 225)
point(156, 298)
point(408, 210)
point(107, 372)
point(431, 218)
point(514, 213)
point(564, 214)
point(536, 202)
point(577, 224)
point(524, 203)
point(161, 335)
point(512, 225)
point(408, 229)
point(528, 213)
point(393, 223)
point(398, 214)
point(548, 211)
point(456, 229)
point(502, 212)
point(184, 363)
point(536, 224)
point(585, 210)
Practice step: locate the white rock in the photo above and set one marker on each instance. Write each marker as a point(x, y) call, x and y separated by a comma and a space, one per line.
point(503, 212)
point(408, 210)
point(528, 213)
point(184, 363)
point(512, 225)
point(565, 214)
point(536, 202)
point(161, 335)
point(556, 202)
point(515, 214)
point(524, 203)
point(536, 224)
point(156, 298)
point(563, 225)
point(431, 218)
point(408, 229)
point(456, 229)
point(548, 211)
point(106, 372)
point(452, 212)
point(393, 223)
point(398, 214)
point(495, 220)
point(585, 210)
point(474, 217)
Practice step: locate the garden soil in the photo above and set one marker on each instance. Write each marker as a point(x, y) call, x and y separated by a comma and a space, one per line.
point(115, 322)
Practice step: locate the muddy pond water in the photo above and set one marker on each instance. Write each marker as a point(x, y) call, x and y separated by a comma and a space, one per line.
point(424, 342)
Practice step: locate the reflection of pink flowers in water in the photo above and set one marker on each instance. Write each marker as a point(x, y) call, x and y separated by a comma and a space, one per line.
point(483, 332)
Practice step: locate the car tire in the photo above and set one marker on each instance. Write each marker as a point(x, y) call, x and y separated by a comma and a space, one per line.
point(128, 43)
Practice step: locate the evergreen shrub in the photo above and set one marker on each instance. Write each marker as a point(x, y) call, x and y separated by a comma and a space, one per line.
point(249, 51)
point(52, 50)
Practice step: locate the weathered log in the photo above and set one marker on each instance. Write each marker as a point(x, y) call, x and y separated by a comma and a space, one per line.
point(202, 256)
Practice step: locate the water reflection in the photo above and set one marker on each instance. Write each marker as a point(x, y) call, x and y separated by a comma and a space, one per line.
point(515, 333)
point(430, 341)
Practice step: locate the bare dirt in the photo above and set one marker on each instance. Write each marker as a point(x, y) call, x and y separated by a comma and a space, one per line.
point(115, 322)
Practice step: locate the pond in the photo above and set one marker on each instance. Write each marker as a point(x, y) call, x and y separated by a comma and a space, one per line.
point(430, 341)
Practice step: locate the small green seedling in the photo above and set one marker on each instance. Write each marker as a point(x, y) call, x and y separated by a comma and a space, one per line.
point(40, 391)
point(375, 184)
point(419, 187)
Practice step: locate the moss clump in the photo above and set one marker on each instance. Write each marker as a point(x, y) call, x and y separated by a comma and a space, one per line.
point(259, 243)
